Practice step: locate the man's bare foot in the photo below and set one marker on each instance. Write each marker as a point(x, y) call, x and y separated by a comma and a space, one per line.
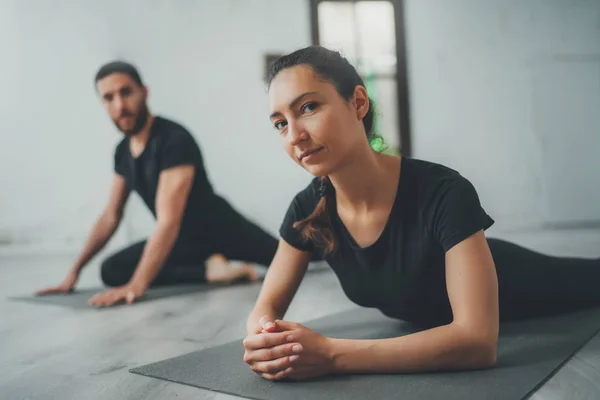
point(250, 271)
point(220, 270)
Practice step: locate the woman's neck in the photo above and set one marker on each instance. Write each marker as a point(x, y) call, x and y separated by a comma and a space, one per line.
point(369, 180)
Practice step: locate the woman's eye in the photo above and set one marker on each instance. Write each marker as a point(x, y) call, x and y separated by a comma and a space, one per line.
point(309, 107)
point(279, 125)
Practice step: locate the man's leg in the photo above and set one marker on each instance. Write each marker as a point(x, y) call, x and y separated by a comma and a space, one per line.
point(189, 262)
point(117, 269)
point(246, 241)
point(243, 240)
point(184, 264)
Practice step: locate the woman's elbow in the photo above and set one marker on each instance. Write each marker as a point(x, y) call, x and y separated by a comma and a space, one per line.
point(484, 353)
point(479, 346)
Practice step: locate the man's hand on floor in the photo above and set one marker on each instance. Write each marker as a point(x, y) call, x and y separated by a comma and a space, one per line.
point(127, 293)
point(66, 286)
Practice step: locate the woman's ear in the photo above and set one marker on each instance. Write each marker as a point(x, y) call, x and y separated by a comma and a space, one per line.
point(360, 102)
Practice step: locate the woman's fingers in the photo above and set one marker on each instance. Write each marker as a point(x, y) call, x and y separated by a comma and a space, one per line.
point(265, 324)
point(273, 353)
point(264, 340)
point(281, 375)
point(274, 366)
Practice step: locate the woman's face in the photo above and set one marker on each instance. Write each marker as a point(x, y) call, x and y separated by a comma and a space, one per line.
point(319, 129)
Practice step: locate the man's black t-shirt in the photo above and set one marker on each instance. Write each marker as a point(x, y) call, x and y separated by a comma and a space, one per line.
point(403, 273)
point(168, 146)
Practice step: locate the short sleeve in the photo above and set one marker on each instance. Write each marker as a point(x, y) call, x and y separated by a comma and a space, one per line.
point(458, 213)
point(179, 149)
point(120, 159)
point(301, 207)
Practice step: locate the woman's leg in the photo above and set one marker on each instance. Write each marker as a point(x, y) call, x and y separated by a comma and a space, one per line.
point(532, 284)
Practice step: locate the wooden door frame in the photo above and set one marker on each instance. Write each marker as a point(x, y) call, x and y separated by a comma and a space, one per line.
point(402, 88)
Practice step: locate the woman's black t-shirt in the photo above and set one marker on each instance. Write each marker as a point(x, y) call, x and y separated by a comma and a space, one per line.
point(403, 273)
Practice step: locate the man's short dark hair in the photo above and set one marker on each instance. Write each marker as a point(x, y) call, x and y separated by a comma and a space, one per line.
point(119, 67)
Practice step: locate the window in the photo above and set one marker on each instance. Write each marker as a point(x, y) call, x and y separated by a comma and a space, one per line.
point(370, 34)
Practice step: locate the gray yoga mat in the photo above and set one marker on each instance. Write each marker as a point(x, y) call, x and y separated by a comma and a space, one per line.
point(529, 353)
point(79, 298)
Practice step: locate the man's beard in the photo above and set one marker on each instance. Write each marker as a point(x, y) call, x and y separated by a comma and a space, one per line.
point(140, 121)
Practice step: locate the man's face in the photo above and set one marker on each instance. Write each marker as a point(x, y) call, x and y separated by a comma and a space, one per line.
point(125, 102)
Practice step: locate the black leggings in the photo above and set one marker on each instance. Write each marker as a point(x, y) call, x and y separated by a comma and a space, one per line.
point(532, 284)
point(239, 240)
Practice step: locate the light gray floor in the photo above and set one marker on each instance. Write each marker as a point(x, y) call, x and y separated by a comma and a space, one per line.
point(56, 353)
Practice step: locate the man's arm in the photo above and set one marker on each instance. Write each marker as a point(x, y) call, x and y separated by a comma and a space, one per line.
point(174, 186)
point(107, 224)
point(173, 189)
point(101, 232)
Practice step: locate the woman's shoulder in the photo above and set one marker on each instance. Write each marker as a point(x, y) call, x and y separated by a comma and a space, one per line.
point(430, 168)
point(431, 176)
point(449, 203)
point(434, 184)
point(302, 206)
point(308, 197)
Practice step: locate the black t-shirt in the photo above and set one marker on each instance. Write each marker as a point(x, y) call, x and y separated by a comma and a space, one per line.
point(403, 273)
point(169, 145)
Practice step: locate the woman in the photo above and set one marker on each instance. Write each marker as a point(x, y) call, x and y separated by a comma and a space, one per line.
point(404, 236)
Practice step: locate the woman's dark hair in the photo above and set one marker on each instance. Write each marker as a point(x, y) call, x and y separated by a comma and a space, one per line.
point(328, 65)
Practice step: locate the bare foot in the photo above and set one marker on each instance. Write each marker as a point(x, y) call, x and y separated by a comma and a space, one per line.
point(250, 272)
point(220, 270)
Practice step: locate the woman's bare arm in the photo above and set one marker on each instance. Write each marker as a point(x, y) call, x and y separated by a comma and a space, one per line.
point(281, 283)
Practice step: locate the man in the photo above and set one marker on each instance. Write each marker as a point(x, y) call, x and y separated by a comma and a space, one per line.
point(196, 232)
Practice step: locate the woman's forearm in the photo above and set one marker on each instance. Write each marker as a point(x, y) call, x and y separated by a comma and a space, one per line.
point(447, 347)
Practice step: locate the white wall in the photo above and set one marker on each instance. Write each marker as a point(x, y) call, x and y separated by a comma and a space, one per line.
point(202, 61)
point(496, 92)
point(508, 93)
